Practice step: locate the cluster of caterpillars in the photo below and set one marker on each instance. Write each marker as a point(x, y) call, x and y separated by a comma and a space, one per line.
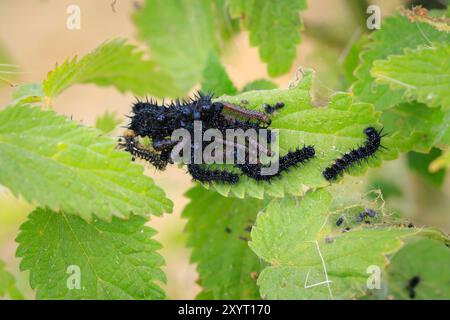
point(157, 122)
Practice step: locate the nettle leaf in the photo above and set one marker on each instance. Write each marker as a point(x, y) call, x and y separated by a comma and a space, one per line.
point(226, 25)
point(217, 81)
point(237, 8)
point(113, 63)
point(69, 258)
point(57, 163)
point(305, 249)
point(28, 93)
point(332, 131)
point(430, 271)
point(417, 127)
point(274, 27)
point(108, 122)
point(396, 34)
point(215, 77)
point(351, 60)
point(180, 33)
point(388, 188)
point(8, 284)
point(422, 74)
point(260, 84)
point(226, 265)
point(440, 163)
point(419, 163)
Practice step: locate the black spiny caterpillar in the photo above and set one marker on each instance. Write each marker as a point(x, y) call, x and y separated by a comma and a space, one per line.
point(348, 160)
point(291, 159)
point(157, 122)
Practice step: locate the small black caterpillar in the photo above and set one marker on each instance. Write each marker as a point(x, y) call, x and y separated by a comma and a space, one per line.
point(371, 145)
point(269, 109)
point(136, 150)
point(292, 159)
point(411, 287)
point(366, 213)
point(339, 221)
point(207, 175)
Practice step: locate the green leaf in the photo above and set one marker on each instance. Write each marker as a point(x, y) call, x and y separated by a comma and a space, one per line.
point(215, 77)
point(274, 27)
point(441, 162)
point(180, 33)
point(417, 127)
point(108, 122)
point(423, 258)
point(239, 7)
point(420, 163)
point(388, 188)
point(8, 284)
point(332, 131)
point(59, 164)
point(226, 25)
point(351, 60)
point(300, 241)
point(396, 34)
point(116, 260)
point(422, 74)
point(113, 63)
point(260, 84)
point(219, 236)
point(28, 93)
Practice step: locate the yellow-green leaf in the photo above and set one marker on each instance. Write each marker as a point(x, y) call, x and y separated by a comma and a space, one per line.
point(218, 237)
point(69, 258)
point(180, 34)
point(56, 163)
point(422, 74)
point(312, 258)
point(113, 63)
